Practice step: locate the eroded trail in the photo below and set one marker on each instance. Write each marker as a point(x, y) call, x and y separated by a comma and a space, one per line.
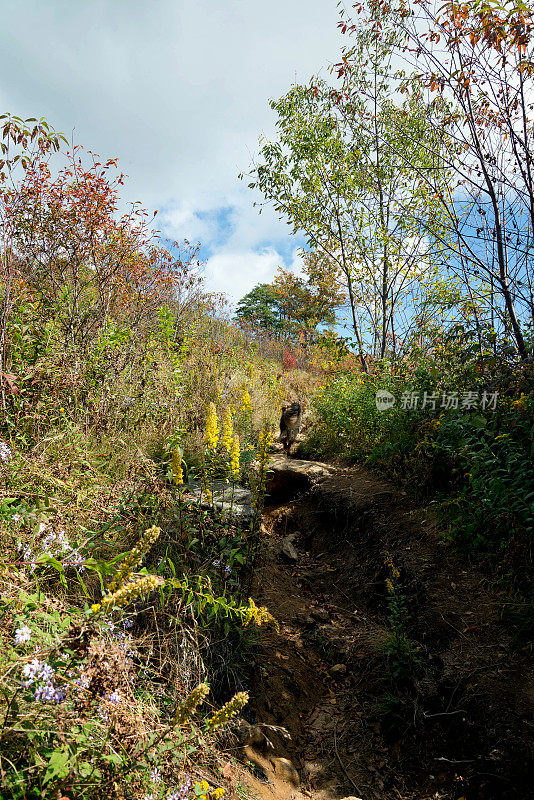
point(455, 719)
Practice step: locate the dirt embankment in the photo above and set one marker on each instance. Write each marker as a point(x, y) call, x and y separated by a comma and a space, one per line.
point(455, 719)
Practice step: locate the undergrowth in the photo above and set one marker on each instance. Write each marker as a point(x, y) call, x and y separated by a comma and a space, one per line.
point(471, 457)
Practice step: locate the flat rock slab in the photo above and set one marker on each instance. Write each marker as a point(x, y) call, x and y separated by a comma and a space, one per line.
point(288, 475)
point(235, 501)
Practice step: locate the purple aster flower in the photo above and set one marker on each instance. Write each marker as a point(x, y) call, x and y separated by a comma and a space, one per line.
point(60, 694)
point(45, 693)
point(75, 559)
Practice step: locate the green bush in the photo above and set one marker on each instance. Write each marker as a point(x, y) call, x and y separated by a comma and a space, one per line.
point(477, 463)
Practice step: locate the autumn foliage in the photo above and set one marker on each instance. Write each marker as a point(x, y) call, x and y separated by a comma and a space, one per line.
point(73, 254)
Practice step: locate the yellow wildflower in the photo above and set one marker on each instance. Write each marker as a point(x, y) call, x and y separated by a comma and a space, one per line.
point(134, 557)
point(95, 608)
point(207, 496)
point(186, 709)
point(521, 402)
point(246, 402)
point(204, 786)
point(126, 593)
point(217, 793)
point(258, 615)
point(176, 466)
point(389, 561)
point(228, 711)
point(212, 427)
point(228, 431)
point(234, 459)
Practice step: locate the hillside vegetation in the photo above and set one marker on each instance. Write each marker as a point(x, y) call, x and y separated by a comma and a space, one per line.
point(122, 379)
point(129, 398)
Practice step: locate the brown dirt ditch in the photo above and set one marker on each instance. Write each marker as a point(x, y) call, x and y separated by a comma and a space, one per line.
point(455, 721)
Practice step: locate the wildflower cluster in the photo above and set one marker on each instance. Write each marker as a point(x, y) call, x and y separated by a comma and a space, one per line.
point(176, 466)
point(5, 453)
point(393, 572)
point(124, 574)
point(22, 635)
point(257, 615)
point(402, 656)
point(264, 442)
point(127, 592)
point(246, 402)
point(208, 497)
point(186, 710)
point(202, 790)
point(234, 459)
point(228, 711)
point(53, 544)
point(57, 544)
point(225, 567)
point(212, 428)
point(521, 402)
point(228, 431)
point(182, 792)
point(37, 672)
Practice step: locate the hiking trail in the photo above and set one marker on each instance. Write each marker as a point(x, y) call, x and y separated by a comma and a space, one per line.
point(458, 723)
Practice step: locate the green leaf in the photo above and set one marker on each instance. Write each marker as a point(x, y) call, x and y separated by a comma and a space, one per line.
point(57, 766)
point(113, 758)
point(44, 558)
point(85, 769)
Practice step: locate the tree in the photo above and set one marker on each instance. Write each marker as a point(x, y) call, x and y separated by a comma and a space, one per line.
point(475, 61)
point(335, 176)
point(311, 300)
point(261, 308)
point(24, 142)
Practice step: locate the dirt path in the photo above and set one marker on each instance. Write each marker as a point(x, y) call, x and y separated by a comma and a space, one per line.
point(455, 721)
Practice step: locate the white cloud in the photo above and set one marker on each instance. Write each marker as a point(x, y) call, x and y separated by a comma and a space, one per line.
point(178, 90)
point(241, 270)
point(237, 272)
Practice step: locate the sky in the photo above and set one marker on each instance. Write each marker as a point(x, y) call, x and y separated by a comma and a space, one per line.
point(178, 90)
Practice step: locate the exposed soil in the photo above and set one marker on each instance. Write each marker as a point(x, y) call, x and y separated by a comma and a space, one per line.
point(457, 722)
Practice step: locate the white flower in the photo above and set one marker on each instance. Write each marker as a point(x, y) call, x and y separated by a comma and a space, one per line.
point(16, 517)
point(22, 635)
point(47, 673)
point(31, 671)
point(5, 453)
